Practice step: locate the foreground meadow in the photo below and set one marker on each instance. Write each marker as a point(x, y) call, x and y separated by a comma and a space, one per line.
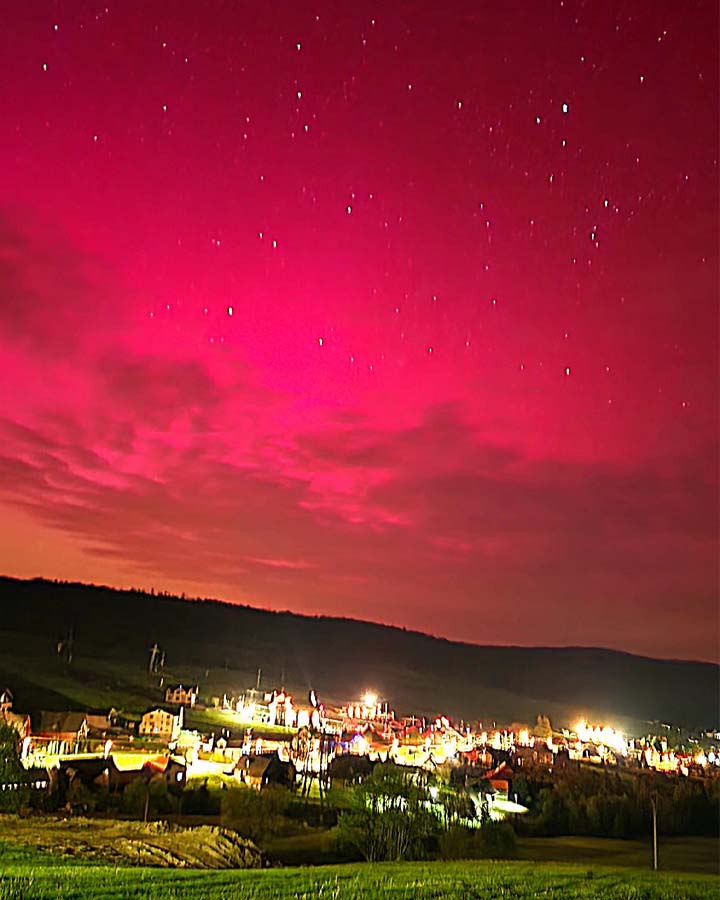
point(403, 881)
point(41, 859)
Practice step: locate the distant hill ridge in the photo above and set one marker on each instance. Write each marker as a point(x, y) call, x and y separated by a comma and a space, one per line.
point(222, 645)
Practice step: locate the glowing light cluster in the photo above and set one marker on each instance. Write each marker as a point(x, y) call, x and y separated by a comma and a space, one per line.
point(601, 736)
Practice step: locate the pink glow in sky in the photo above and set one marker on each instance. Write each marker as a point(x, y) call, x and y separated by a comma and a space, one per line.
point(404, 315)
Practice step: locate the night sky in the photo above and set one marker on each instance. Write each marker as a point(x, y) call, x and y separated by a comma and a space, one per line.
point(405, 312)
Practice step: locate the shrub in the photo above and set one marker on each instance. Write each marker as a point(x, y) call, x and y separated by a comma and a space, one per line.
point(134, 798)
point(458, 843)
point(80, 798)
point(200, 802)
point(254, 814)
point(390, 817)
point(12, 772)
point(154, 796)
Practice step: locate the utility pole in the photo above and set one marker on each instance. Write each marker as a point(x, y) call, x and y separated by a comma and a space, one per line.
point(653, 801)
point(154, 658)
point(65, 647)
point(257, 683)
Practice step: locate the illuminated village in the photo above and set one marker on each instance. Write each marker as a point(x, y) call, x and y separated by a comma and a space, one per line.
point(267, 737)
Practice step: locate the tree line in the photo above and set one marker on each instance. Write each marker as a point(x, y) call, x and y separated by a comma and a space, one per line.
point(604, 803)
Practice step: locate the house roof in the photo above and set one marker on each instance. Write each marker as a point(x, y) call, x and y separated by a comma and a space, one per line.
point(98, 721)
point(87, 768)
point(60, 722)
point(258, 766)
point(503, 772)
point(157, 764)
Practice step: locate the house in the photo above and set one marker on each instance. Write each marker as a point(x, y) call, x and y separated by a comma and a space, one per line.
point(98, 724)
point(161, 724)
point(181, 696)
point(259, 771)
point(252, 770)
point(175, 774)
point(349, 769)
point(500, 779)
point(564, 761)
point(19, 721)
point(62, 726)
point(96, 773)
point(91, 771)
point(119, 722)
point(37, 779)
point(170, 769)
point(537, 755)
point(231, 748)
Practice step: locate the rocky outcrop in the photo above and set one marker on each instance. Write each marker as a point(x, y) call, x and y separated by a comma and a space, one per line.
point(154, 844)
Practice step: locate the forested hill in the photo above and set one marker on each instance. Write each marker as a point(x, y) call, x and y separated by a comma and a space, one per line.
point(222, 646)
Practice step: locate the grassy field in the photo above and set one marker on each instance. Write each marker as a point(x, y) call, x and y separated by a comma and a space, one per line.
point(689, 855)
point(678, 854)
point(35, 840)
point(41, 859)
point(461, 880)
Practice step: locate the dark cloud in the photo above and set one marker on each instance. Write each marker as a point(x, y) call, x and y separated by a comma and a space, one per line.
point(51, 295)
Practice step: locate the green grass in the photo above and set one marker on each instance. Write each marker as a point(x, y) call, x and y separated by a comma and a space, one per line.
point(678, 854)
point(210, 719)
point(309, 848)
point(409, 881)
point(683, 854)
point(35, 865)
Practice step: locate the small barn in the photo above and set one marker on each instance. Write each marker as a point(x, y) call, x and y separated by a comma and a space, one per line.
point(500, 779)
point(66, 727)
point(349, 769)
point(267, 769)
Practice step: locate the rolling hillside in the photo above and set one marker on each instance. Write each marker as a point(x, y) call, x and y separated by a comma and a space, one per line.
point(221, 646)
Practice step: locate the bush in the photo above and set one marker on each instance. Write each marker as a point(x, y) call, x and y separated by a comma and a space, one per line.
point(255, 814)
point(134, 798)
point(390, 817)
point(154, 794)
point(12, 772)
point(458, 843)
point(80, 798)
point(200, 802)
